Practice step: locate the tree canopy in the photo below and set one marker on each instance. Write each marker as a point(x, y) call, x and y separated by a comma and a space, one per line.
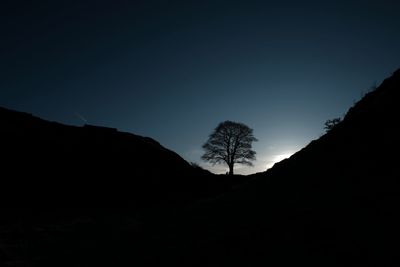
point(230, 143)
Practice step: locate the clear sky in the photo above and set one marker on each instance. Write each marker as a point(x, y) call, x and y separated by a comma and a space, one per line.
point(172, 70)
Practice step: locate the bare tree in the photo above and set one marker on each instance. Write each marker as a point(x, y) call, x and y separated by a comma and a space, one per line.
point(230, 143)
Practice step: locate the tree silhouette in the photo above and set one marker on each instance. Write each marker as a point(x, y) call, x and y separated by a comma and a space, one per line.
point(330, 124)
point(230, 143)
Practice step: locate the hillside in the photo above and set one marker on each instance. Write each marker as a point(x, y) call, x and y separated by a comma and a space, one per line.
point(63, 186)
point(53, 163)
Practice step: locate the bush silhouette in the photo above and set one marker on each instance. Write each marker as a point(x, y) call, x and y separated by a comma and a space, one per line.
point(330, 124)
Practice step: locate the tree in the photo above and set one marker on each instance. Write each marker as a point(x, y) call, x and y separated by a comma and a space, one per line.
point(230, 143)
point(330, 124)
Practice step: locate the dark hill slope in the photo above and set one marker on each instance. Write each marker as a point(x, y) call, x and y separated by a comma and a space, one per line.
point(59, 164)
point(358, 156)
point(334, 203)
point(88, 196)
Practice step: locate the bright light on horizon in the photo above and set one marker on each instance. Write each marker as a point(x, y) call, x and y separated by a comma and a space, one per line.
point(266, 158)
point(281, 157)
point(261, 165)
point(277, 158)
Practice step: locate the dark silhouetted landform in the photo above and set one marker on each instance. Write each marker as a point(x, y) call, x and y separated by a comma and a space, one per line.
point(54, 164)
point(334, 203)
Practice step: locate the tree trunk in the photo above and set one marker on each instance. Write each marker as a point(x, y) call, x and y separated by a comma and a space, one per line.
point(231, 169)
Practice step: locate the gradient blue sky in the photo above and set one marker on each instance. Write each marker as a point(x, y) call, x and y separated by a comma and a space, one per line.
point(172, 70)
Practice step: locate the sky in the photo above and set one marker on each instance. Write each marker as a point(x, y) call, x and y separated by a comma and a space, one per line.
point(173, 70)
